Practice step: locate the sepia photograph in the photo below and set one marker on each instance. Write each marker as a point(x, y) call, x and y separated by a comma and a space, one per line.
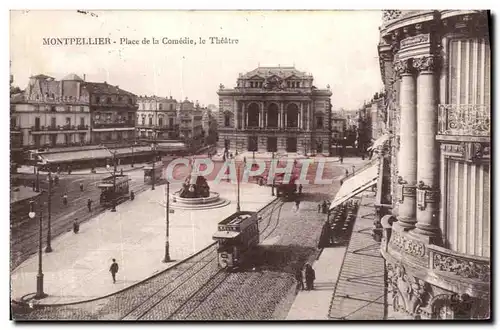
point(250, 165)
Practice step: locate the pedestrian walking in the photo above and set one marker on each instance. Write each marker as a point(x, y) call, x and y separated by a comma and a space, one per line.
point(89, 204)
point(319, 208)
point(297, 204)
point(324, 207)
point(310, 277)
point(346, 172)
point(299, 278)
point(81, 186)
point(300, 189)
point(69, 170)
point(132, 195)
point(114, 269)
point(76, 226)
point(65, 199)
point(341, 160)
point(121, 171)
point(58, 170)
point(33, 184)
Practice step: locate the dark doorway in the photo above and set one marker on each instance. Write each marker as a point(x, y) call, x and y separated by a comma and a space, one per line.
point(272, 144)
point(291, 144)
point(272, 115)
point(253, 143)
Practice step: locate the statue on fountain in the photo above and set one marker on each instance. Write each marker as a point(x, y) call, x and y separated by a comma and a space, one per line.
point(197, 190)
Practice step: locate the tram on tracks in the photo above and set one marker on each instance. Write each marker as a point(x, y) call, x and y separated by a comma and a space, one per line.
point(113, 187)
point(236, 235)
point(151, 169)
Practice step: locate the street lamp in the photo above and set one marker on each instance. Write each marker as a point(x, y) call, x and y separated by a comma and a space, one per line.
point(48, 248)
point(167, 225)
point(39, 277)
point(238, 208)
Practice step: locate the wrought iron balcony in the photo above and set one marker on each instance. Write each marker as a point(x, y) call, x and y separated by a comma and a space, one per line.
point(392, 15)
point(113, 124)
point(464, 119)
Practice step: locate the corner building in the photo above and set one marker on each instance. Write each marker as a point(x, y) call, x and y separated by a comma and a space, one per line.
point(275, 109)
point(436, 68)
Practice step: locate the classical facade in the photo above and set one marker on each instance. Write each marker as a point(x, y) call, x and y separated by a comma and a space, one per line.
point(113, 112)
point(157, 115)
point(338, 129)
point(275, 109)
point(436, 69)
point(51, 113)
point(189, 116)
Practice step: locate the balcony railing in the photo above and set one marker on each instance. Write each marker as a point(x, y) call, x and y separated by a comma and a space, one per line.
point(113, 125)
point(59, 128)
point(464, 119)
point(391, 15)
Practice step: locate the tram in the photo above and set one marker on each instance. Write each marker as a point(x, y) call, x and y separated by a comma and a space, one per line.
point(150, 170)
point(235, 236)
point(108, 193)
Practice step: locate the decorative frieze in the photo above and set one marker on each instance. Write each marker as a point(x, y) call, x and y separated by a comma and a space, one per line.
point(464, 119)
point(462, 267)
point(415, 40)
point(407, 245)
point(426, 63)
point(426, 195)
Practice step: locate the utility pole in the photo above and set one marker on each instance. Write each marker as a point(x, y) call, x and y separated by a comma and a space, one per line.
point(48, 248)
point(167, 224)
point(238, 209)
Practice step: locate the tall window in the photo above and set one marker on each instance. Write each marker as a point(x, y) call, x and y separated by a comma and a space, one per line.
point(319, 122)
point(68, 121)
point(160, 121)
point(82, 121)
point(53, 122)
point(82, 109)
point(150, 121)
point(37, 123)
point(227, 120)
point(160, 106)
point(470, 66)
point(143, 121)
point(171, 122)
point(53, 108)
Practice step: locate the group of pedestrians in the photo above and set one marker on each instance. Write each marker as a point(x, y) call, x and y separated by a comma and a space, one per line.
point(309, 274)
point(324, 207)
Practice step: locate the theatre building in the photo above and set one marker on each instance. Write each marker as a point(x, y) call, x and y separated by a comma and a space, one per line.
point(275, 109)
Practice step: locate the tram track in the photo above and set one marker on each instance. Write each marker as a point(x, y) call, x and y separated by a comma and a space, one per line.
point(194, 284)
point(25, 245)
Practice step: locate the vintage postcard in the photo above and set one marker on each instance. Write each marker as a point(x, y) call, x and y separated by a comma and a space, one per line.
point(250, 165)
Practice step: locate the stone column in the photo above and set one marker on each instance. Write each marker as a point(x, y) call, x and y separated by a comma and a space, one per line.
point(282, 115)
point(261, 116)
point(236, 114)
point(301, 117)
point(285, 122)
point(407, 157)
point(244, 116)
point(428, 161)
point(309, 116)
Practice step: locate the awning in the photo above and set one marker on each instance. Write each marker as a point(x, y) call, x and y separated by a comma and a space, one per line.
point(356, 184)
point(380, 141)
point(225, 235)
point(75, 155)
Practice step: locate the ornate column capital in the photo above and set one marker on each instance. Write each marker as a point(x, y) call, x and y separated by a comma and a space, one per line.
point(404, 67)
point(426, 63)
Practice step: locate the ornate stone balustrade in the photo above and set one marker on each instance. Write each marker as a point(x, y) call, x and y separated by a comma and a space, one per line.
point(469, 267)
point(464, 119)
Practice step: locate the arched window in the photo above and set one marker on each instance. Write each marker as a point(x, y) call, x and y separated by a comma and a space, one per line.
point(227, 119)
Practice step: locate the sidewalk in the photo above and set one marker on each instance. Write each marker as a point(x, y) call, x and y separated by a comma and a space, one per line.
point(26, 169)
point(349, 279)
point(77, 269)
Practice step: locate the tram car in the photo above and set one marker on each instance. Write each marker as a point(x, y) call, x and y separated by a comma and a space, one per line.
point(149, 172)
point(108, 193)
point(235, 236)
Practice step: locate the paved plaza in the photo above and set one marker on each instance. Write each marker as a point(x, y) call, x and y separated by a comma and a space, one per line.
point(78, 268)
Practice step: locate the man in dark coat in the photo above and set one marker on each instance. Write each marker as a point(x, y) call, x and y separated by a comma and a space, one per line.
point(89, 204)
point(299, 278)
point(114, 269)
point(310, 277)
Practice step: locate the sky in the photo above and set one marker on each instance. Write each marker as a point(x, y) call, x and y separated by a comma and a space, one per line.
point(339, 48)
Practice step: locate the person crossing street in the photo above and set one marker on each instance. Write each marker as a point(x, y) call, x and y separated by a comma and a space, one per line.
point(113, 270)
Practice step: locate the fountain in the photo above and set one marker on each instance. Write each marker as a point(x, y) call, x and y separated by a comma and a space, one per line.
point(196, 196)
